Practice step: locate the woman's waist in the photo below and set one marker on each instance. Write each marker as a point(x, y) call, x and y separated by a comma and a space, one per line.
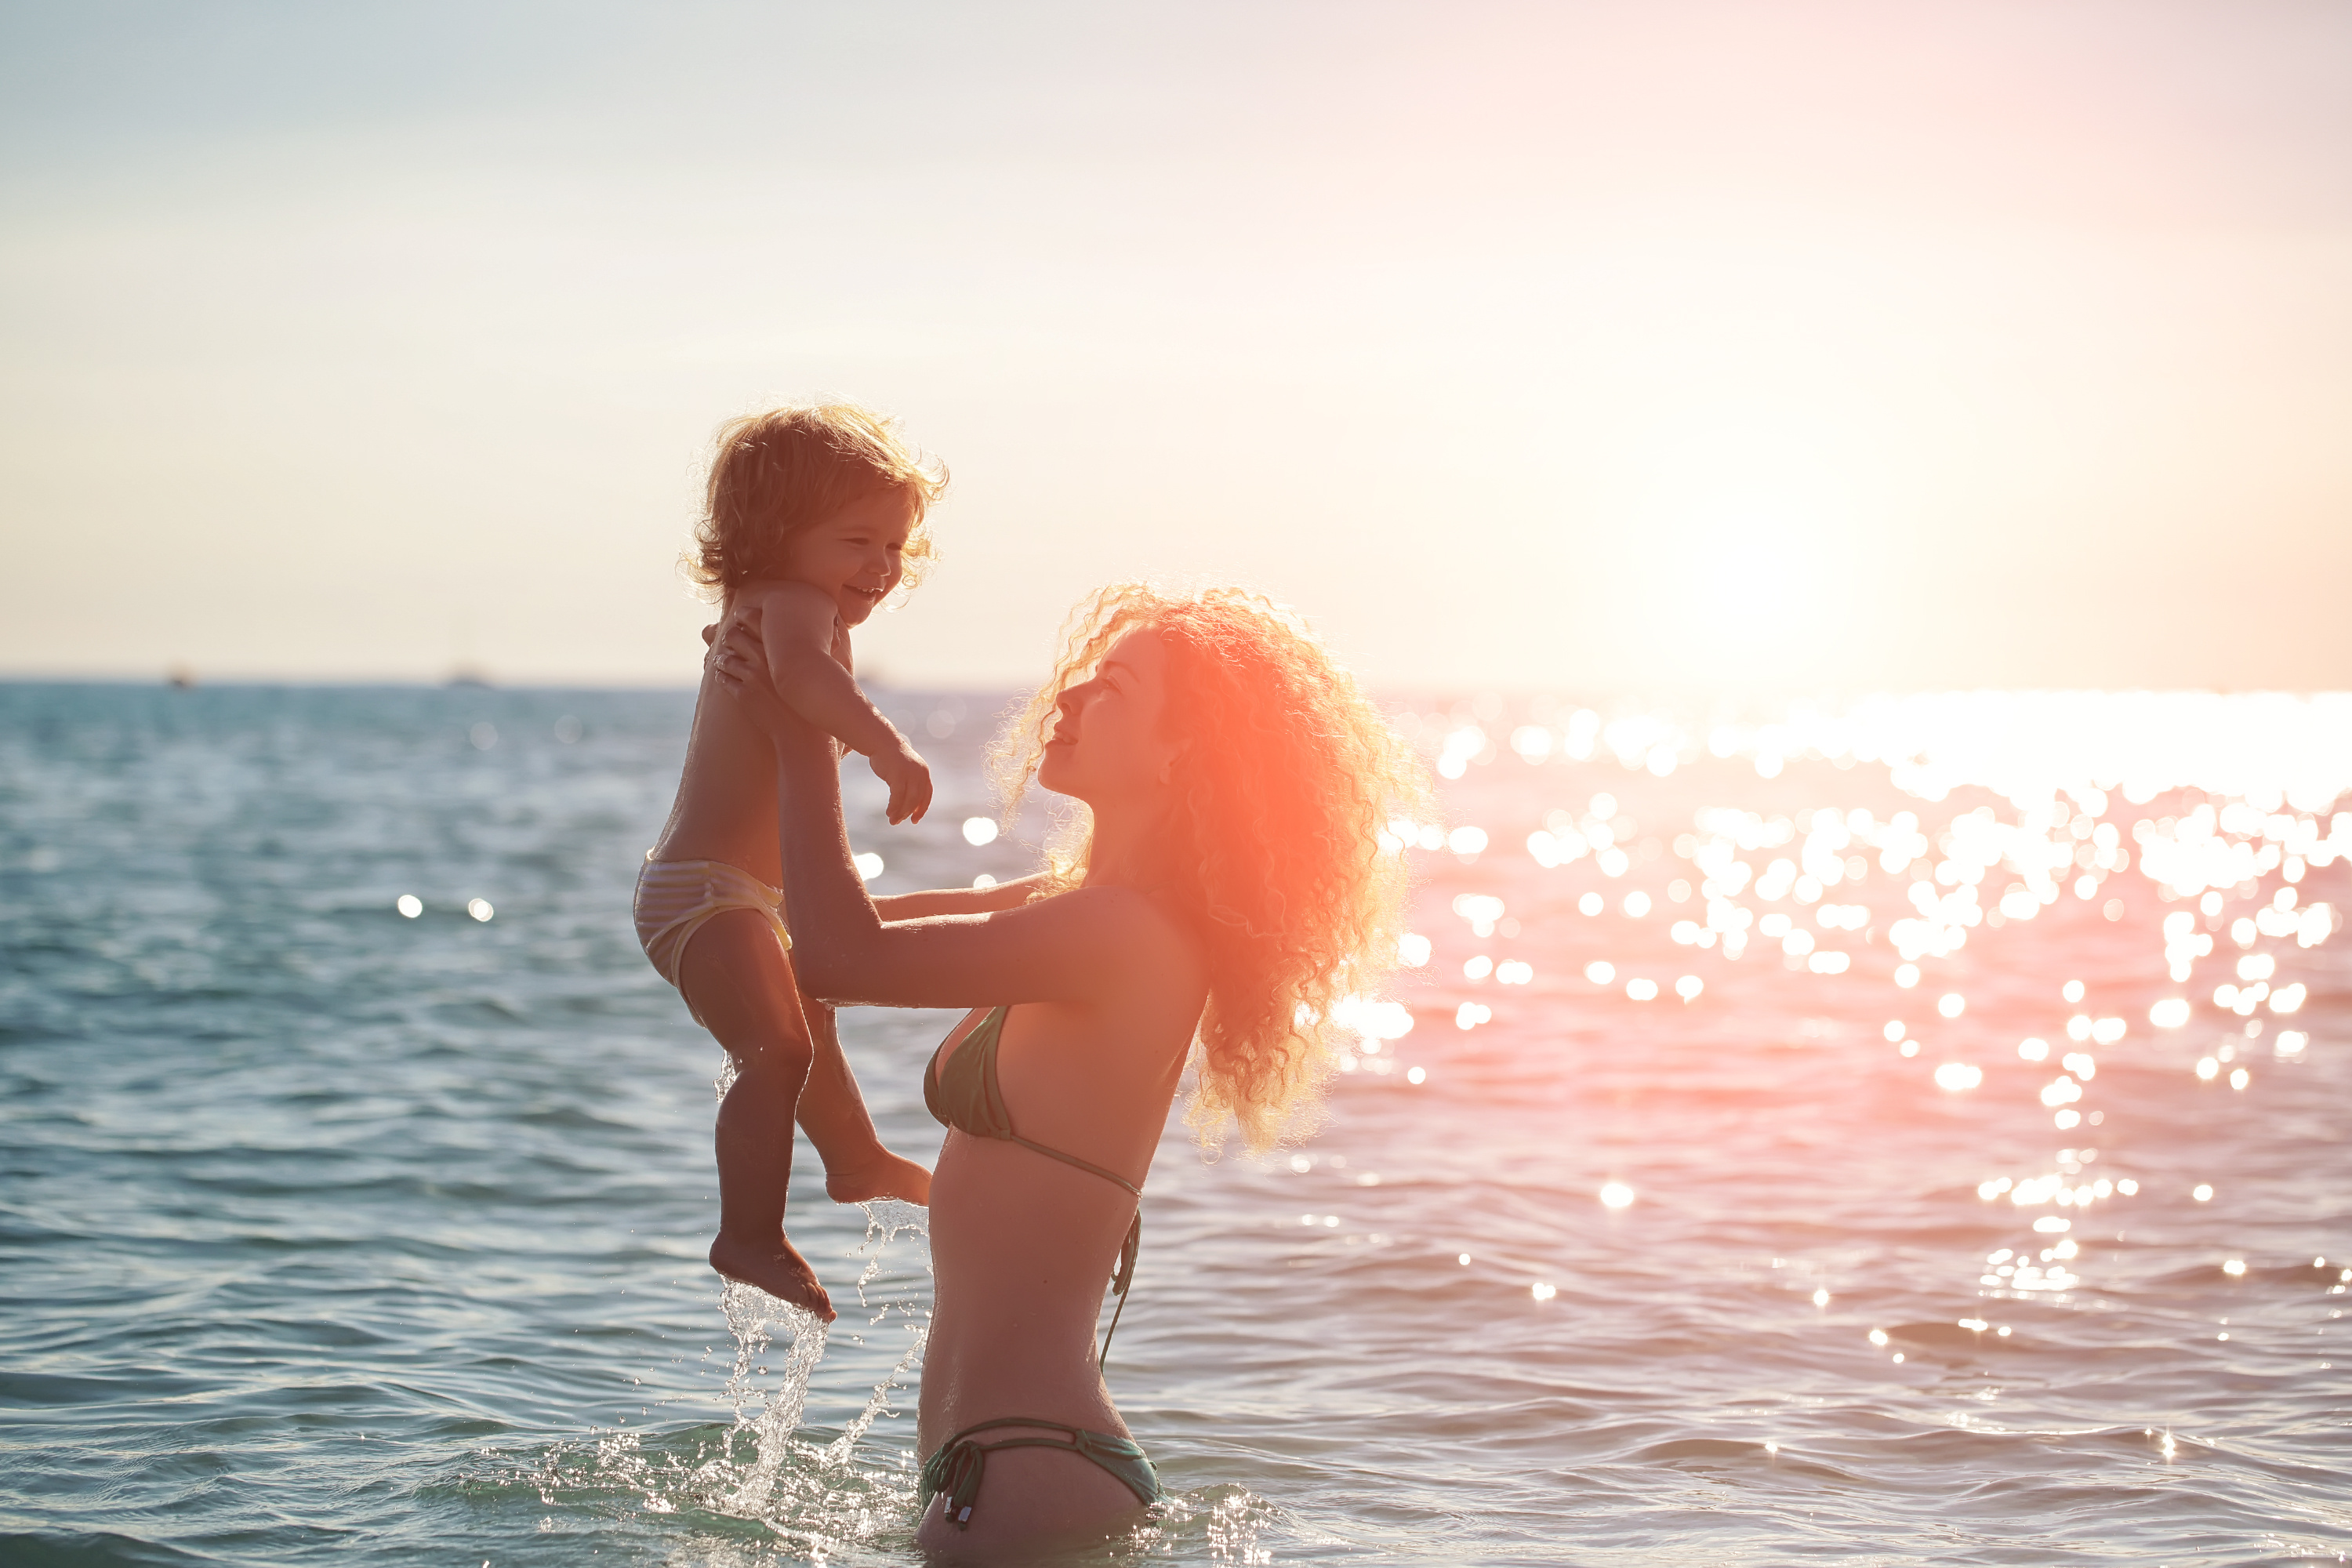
point(979, 1369)
point(1009, 1301)
point(1009, 1322)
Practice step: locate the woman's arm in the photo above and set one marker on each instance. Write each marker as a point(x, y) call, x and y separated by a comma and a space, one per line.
point(1076, 946)
point(1009, 895)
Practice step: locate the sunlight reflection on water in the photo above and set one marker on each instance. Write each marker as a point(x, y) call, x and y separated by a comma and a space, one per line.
point(1666, 1203)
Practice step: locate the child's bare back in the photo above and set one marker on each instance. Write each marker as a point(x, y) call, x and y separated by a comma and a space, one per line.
point(726, 806)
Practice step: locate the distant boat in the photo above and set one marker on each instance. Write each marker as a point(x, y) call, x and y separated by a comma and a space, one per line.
point(470, 676)
point(180, 677)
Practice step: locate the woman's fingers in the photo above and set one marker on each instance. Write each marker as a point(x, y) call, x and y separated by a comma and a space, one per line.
point(724, 662)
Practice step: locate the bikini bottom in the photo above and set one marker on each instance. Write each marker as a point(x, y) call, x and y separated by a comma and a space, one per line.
point(677, 897)
point(957, 1468)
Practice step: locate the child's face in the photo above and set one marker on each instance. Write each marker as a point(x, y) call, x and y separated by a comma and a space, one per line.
point(858, 554)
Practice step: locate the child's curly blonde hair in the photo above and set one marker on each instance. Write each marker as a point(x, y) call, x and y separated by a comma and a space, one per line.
point(1274, 853)
point(776, 473)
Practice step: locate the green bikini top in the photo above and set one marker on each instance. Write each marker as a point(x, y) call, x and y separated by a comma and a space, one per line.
point(963, 1093)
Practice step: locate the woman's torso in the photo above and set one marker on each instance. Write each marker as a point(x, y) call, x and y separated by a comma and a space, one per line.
point(1023, 1244)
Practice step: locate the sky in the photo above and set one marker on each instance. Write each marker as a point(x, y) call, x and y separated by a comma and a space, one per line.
point(1662, 348)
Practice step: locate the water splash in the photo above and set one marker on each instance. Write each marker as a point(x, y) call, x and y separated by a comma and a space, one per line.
point(769, 1421)
point(886, 1220)
point(835, 1499)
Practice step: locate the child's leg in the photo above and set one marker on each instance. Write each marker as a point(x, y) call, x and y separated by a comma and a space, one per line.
point(735, 975)
point(832, 1113)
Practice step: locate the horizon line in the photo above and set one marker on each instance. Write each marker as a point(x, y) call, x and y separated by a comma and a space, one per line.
point(478, 681)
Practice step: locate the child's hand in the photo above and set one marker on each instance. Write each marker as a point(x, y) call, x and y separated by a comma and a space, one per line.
point(909, 778)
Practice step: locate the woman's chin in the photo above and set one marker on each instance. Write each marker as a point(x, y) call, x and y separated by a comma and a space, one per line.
point(1058, 774)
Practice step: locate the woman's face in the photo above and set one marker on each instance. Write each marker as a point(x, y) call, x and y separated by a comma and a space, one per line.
point(1109, 747)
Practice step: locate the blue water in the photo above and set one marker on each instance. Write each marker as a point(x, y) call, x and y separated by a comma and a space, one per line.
point(326, 1231)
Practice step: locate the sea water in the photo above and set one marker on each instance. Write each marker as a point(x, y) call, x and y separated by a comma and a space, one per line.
point(1897, 1132)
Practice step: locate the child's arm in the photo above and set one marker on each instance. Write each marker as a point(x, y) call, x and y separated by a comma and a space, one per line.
point(797, 626)
point(960, 901)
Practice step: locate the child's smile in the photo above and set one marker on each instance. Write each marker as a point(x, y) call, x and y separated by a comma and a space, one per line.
point(858, 554)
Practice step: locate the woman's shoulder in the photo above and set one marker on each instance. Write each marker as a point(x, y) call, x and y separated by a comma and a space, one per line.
point(1145, 926)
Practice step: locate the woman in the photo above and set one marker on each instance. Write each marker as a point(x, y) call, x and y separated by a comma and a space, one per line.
point(1222, 883)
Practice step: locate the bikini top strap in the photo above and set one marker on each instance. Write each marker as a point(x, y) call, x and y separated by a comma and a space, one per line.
point(1068, 1159)
point(1127, 1251)
point(1120, 1282)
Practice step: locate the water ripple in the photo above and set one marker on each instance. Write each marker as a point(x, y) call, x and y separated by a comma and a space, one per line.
point(325, 1228)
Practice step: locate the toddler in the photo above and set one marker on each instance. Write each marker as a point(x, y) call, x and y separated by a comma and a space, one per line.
point(815, 513)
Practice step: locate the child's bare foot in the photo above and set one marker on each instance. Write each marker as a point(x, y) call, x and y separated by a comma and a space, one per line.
point(881, 1176)
point(778, 1269)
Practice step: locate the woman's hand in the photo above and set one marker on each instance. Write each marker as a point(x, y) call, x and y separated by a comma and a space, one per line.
point(739, 660)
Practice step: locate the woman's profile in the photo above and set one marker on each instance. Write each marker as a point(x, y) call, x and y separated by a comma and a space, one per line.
point(1219, 887)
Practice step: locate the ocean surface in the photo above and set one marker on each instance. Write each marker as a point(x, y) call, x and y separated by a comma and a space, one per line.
point(1915, 1131)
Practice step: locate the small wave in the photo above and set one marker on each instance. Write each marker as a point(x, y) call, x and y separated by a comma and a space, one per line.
point(92, 1549)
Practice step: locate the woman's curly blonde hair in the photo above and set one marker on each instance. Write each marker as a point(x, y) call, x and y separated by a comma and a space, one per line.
point(774, 474)
point(1275, 857)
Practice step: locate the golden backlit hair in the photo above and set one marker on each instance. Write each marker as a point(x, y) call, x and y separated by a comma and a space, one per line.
point(1286, 782)
point(776, 473)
